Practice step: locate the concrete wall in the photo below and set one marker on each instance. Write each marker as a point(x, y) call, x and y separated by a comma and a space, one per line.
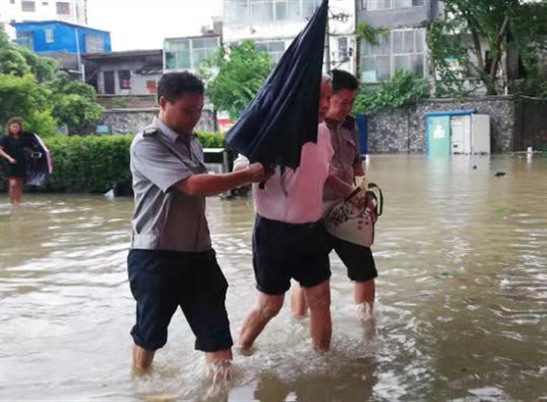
point(138, 81)
point(44, 10)
point(399, 17)
point(131, 121)
point(514, 125)
point(131, 102)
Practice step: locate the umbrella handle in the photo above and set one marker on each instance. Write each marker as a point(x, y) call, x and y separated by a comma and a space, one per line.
point(270, 171)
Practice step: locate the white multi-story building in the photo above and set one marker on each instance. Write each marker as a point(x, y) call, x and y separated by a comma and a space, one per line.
point(72, 11)
point(273, 24)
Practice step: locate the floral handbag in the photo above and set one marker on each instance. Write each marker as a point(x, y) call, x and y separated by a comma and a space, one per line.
point(353, 220)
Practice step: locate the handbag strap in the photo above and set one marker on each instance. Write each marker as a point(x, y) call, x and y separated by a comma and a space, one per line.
point(381, 206)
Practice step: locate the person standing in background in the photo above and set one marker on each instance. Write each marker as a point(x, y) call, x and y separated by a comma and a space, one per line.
point(345, 167)
point(12, 146)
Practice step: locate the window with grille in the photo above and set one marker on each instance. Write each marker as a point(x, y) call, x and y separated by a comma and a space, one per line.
point(94, 44)
point(124, 79)
point(183, 54)
point(373, 5)
point(63, 8)
point(245, 12)
point(49, 36)
point(25, 39)
point(28, 6)
point(398, 50)
point(274, 48)
point(343, 50)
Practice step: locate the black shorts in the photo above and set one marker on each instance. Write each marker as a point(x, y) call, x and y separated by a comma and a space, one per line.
point(163, 280)
point(282, 251)
point(357, 259)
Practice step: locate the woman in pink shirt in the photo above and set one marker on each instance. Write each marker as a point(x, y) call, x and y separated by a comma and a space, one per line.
point(289, 241)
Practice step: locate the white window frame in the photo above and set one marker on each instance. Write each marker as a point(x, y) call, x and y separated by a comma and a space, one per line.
point(28, 3)
point(50, 36)
point(393, 5)
point(392, 55)
point(191, 49)
point(274, 54)
point(57, 3)
point(92, 43)
point(248, 19)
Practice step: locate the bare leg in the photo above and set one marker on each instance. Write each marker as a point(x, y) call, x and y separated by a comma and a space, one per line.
point(318, 298)
point(268, 307)
point(142, 359)
point(19, 193)
point(299, 306)
point(364, 292)
point(15, 190)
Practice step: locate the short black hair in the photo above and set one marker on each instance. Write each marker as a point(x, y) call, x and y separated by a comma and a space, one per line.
point(343, 80)
point(173, 85)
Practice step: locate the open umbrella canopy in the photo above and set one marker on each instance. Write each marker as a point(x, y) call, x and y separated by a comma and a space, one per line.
point(284, 114)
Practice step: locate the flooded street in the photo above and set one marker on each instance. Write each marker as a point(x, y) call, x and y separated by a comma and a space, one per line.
point(461, 312)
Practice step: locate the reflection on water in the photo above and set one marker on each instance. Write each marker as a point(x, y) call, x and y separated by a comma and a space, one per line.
point(462, 297)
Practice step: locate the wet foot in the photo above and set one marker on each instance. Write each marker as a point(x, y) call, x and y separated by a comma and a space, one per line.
point(364, 312)
point(243, 351)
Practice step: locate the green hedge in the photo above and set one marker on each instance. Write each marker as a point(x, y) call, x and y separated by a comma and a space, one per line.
point(94, 164)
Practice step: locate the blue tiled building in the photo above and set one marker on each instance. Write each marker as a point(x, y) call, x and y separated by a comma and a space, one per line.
point(56, 36)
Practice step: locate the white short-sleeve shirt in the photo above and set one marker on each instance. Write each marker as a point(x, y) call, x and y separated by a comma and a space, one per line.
point(296, 196)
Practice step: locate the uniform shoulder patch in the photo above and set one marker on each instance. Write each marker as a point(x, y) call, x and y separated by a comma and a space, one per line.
point(349, 122)
point(150, 132)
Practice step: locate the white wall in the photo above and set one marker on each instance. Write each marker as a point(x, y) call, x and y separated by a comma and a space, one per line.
point(288, 30)
point(138, 82)
point(13, 12)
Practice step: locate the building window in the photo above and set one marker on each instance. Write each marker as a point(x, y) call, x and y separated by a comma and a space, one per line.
point(274, 48)
point(28, 6)
point(63, 8)
point(25, 39)
point(152, 87)
point(183, 54)
point(124, 78)
point(94, 44)
point(373, 5)
point(398, 50)
point(49, 36)
point(45, 3)
point(245, 12)
point(177, 54)
point(343, 50)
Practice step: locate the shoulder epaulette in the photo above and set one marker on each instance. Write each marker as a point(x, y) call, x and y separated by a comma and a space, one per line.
point(150, 132)
point(349, 122)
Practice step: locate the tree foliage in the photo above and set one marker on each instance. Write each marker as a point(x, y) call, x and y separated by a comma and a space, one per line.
point(34, 88)
point(402, 89)
point(457, 48)
point(234, 75)
point(94, 164)
point(369, 34)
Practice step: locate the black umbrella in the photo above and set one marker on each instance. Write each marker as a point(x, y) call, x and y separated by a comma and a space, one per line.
point(284, 114)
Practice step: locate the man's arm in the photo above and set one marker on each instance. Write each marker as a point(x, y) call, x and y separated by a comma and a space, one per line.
point(206, 185)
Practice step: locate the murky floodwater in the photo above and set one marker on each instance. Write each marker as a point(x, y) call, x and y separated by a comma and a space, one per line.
point(462, 297)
